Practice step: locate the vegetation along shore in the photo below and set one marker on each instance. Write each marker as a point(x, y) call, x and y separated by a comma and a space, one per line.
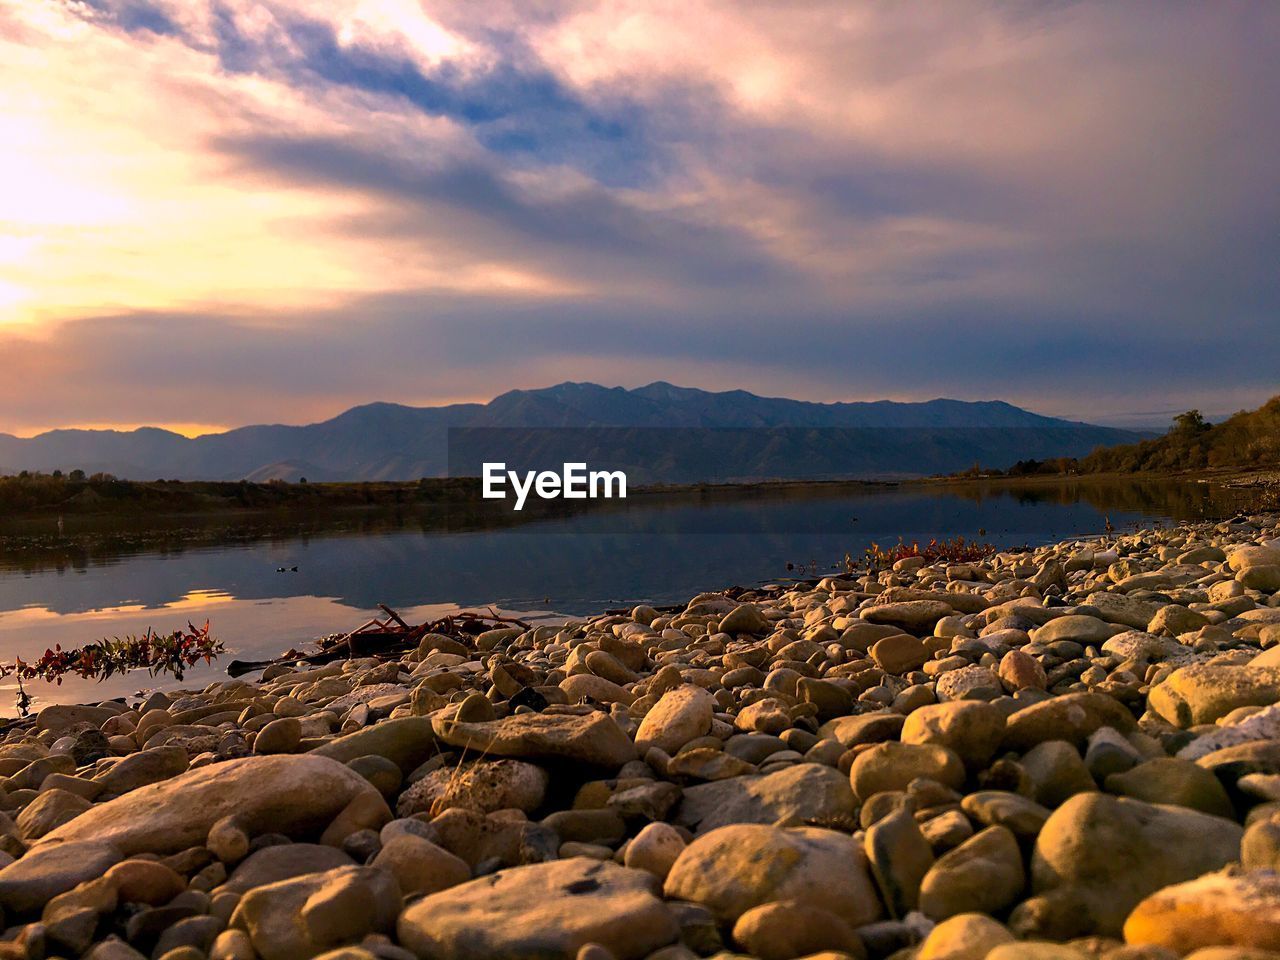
point(1063, 753)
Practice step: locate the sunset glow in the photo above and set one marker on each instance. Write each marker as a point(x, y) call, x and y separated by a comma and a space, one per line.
point(274, 210)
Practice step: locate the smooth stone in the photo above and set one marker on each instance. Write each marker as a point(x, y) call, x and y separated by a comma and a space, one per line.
point(1174, 620)
point(143, 768)
point(299, 918)
point(735, 868)
point(1169, 780)
point(545, 911)
point(899, 856)
point(50, 810)
point(1260, 848)
point(1217, 910)
point(226, 803)
point(893, 765)
point(1071, 717)
point(420, 866)
point(407, 741)
point(1056, 771)
point(787, 929)
point(1107, 853)
point(655, 849)
point(1078, 627)
point(866, 728)
point(58, 718)
point(281, 735)
point(680, 715)
point(1139, 645)
point(900, 653)
point(966, 936)
point(593, 739)
point(709, 763)
point(1108, 752)
point(1203, 693)
point(1021, 671)
point(587, 688)
point(145, 881)
point(46, 871)
point(1023, 816)
point(804, 793)
point(745, 618)
point(1036, 950)
point(982, 875)
point(915, 616)
point(970, 728)
point(1125, 610)
point(284, 861)
point(947, 830)
point(968, 683)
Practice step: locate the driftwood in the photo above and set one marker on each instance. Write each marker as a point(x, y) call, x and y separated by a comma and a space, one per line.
point(383, 638)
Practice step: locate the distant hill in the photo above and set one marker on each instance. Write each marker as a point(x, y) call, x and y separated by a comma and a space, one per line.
point(730, 434)
point(1248, 439)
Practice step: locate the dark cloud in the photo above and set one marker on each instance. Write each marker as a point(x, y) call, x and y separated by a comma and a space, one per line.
point(1068, 205)
point(471, 203)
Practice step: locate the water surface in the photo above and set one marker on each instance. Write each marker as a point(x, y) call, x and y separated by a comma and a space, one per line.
point(77, 586)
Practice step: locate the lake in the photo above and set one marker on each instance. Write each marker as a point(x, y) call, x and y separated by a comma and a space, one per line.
point(74, 586)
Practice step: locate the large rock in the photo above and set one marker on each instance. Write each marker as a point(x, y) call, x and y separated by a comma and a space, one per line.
point(971, 728)
point(224, 805)
point(28, 883)
point(973, 682)
point(544, 911)
point(1254, 555)
point(900, 653)
point(59, 717)
point(592, 738)
point(735, 868)
point(1170, 780)
point(915, 616)
point(484, 786)
point(406, 741)
point(893, 765)
point(284, 861)
point(142, 768)
point(790, 928)
point(1107, 853)
point(1140, 645)
point(420, 866)
point(900, 856)
point(1078, 627)
point(1219, 910)
point(683, 714)
point(982, 875)
point(1072, 717)
point(968, 936)
point(1202, 693)
point(302, 917)
point(808, 793)
point(1125, 610)
point(745, 618)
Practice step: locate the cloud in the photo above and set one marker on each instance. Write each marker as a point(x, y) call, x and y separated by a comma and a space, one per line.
point(246, 210)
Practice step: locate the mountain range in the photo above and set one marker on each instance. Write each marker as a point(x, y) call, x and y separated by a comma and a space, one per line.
point(708, 435)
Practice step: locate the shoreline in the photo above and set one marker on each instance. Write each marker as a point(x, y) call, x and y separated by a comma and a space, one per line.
point(987, 750)
point(357, 499)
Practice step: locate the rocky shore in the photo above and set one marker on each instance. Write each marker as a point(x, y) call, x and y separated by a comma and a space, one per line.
point(1061, 754)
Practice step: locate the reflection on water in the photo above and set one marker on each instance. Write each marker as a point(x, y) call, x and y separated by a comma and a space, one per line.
point(86, 585)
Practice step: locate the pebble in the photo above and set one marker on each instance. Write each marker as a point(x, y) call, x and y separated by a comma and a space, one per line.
point(546, 909)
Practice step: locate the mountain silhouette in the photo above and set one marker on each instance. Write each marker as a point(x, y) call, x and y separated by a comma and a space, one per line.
point(704, 435)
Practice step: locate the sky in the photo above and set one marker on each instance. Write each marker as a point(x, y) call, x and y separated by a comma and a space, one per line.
point(219, 212)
